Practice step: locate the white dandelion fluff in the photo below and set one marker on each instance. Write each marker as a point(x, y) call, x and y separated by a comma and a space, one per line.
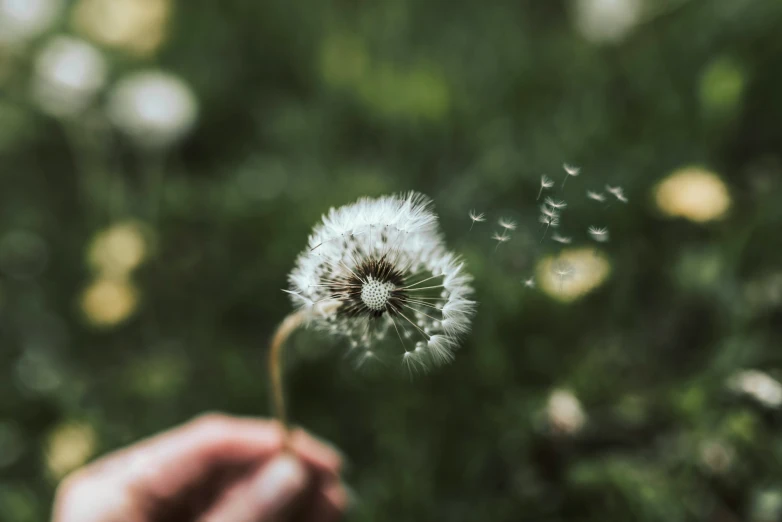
point(377, 272)
point(548, 211)
point(507, 224)
point(476, 217)
point(551, 202)
point(550, 220)
point(500, 238)
point(596, 196)
point(529, 283)
point(570, 171)
point(545, 183)
point(598, 234)
point(561, 239)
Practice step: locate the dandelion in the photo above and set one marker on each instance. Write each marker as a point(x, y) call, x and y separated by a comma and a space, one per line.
point(377, 273)
point(598, 234)
point(561, 239)
point(500, 238)
point(570, 171)
point(545, 183)
point(476, 217)
point(529, 283)
point(507, 224)
point(551, 202)
point(596, 196)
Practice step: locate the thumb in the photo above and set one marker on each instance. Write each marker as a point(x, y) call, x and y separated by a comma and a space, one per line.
point(267, 495)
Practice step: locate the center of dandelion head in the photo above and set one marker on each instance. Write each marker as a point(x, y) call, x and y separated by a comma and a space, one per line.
point(375, 293)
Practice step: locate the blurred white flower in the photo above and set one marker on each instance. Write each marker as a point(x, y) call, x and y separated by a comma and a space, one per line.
point(68, 74)
point(117, 250)
point(716, 456)
point(21, 20)
point(564, 412)
point(607, 21)
point(758, 385)
point(69, 446)
point(154, 108)
point(693, 193)
point(573, 273)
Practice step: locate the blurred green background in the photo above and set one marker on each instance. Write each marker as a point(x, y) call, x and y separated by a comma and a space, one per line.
point(148, 222)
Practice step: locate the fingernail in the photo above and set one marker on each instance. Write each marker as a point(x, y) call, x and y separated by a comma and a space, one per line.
point(280, 481)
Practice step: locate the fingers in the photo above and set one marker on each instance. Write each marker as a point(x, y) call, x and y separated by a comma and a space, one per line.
point(169, 463)
point(271, 494)
point(327, 504)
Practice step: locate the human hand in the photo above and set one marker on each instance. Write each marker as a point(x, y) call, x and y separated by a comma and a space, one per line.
point(215, 468)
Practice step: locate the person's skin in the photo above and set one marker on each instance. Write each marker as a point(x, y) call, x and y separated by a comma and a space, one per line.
point(213, 469)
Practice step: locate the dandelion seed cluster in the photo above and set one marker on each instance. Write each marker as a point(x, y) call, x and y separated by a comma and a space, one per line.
point(378, 273)
point(570, 279)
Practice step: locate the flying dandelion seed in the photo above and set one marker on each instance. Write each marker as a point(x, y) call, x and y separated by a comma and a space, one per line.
point(596, 196)
point(476, 217)
point(562, 270)
point(570, 171)
point(545, 183)
point(507, 224)
point(549, 221)
point(617, 192)
point(598, 234)
point(551, 202)
point(550, 212)
point(500, 238)
point(561, 239)
point(529, 283)
point(377, 273)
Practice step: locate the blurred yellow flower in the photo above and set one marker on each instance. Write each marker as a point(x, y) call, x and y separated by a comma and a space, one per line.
point(573, 273)
point(693, 193)
point(69, 446)
point(136, 26)
point(118, 249)
point(107, 302)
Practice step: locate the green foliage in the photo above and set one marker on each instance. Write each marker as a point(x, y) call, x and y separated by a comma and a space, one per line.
point(308, 106)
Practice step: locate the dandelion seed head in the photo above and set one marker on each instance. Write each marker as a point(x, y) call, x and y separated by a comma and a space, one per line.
point(546, 182)
point(377, 273)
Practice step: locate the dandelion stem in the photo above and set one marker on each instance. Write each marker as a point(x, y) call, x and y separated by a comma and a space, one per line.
point(286, 328)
